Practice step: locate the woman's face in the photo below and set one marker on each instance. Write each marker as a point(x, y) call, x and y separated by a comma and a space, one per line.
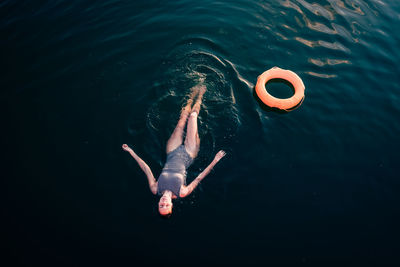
point(165, 205)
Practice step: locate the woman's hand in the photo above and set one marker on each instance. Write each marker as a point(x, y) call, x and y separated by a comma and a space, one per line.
point(126, 147)
point(219, 155)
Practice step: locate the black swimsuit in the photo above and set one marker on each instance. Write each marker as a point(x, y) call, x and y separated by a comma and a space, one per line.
point(173, 175)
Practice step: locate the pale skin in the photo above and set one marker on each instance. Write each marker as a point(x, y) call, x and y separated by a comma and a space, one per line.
point(188, 119)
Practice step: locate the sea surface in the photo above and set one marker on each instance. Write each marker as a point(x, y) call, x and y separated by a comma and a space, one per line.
point(319, 185)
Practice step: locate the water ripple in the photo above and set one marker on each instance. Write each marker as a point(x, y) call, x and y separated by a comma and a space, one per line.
point(197, 61)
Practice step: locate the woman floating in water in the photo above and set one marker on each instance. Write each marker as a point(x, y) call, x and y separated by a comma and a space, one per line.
point(172, 181)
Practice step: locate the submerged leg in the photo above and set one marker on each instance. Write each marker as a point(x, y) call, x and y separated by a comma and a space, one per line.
point(192, 141)
point(176, 138)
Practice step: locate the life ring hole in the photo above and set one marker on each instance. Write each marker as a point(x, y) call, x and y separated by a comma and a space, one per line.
point(280, 88)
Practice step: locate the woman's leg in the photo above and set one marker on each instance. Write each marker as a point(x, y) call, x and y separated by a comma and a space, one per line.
point(176, 138)
point(192, 141)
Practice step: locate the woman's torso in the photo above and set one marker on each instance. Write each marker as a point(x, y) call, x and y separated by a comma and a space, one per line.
point(173, 175)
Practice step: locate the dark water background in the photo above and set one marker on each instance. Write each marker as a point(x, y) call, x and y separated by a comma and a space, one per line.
point(316, 186)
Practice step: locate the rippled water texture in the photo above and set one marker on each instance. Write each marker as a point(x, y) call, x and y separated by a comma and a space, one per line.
point(318, 185)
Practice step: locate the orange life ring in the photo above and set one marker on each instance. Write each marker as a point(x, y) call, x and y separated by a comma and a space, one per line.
point(284, 104)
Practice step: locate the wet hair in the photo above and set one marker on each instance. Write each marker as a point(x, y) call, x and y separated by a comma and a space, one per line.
point(165, 216)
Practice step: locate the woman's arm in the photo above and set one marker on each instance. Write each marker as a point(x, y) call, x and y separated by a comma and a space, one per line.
point(146, 169)
point(186, 190)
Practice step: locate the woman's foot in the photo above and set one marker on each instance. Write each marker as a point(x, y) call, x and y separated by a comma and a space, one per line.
point(196, 107)
point(202, 90)
point(186, 109)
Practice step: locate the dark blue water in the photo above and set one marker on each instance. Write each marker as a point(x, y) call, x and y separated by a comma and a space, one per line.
point(316, 186)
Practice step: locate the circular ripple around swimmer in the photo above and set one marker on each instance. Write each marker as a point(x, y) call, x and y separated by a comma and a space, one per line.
point(193, 63)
